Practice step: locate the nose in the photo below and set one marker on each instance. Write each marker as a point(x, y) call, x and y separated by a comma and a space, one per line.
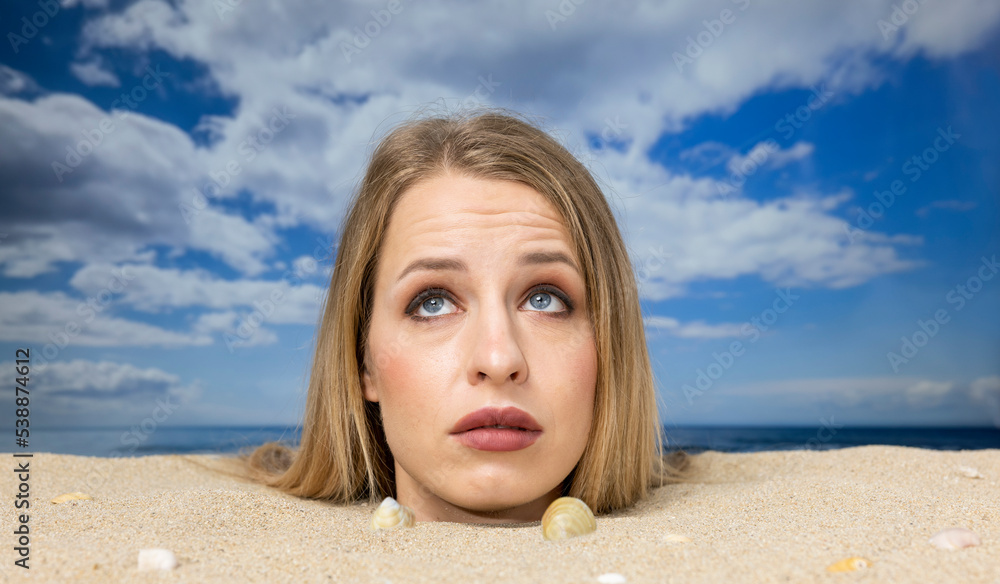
point(495, 347)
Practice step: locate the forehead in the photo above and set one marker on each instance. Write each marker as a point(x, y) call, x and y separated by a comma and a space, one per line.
point(450, 207)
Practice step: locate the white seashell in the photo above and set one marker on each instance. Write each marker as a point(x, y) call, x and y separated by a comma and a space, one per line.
point(156, 559)
point(390, 514)
point(676, 538)
point(849, 565)
point(567, 517)
point(954, 538)
point(611, 578)
point(970, 472)
point(72, 497)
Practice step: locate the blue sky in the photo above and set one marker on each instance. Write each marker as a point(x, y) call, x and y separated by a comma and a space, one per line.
point(752, 176)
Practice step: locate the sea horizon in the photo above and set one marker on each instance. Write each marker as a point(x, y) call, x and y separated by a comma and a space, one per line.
point(116, 441)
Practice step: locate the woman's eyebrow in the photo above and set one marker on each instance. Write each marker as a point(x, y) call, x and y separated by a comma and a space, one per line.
point(533, 258)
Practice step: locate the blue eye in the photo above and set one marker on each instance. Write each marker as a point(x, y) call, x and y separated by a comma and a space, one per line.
point(433, 304)
point(431, 300)
point(434, 300)
point(542, 300)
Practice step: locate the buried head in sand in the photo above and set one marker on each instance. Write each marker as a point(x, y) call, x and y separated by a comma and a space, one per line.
point(481, 351)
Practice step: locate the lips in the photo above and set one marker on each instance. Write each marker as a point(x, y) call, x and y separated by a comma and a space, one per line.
point(492, 416)
point(493, 429)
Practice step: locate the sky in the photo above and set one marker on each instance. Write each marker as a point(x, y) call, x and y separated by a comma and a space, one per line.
point(808, 191)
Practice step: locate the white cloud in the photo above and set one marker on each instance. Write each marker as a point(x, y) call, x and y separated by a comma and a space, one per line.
point(120, 190)
point(788, 241)
point(299, 51)
point(289, 58)
point(13, 82)
point(798, 151)
point(877, 393)
point(691, 330)
point(768, 154)
point(926, 393)
point(81, 392)
point(93, 73)
point(986, 392)
point(86, 3)
point(986, 388)
point(942, 30)
point(153, 289)
point(56, 319)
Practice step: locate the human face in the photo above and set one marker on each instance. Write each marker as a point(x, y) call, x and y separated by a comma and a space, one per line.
point(446, 341)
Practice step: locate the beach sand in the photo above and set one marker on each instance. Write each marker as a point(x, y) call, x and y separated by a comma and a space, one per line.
point(759, 517)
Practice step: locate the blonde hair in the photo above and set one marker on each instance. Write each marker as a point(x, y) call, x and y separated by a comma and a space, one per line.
point(343, 455)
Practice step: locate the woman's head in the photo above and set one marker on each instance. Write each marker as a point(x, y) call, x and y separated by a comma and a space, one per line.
point(478, 302)
point(544, 317)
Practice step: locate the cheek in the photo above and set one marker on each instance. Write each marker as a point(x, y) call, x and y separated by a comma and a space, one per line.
point(410, 383)
point(577, 371)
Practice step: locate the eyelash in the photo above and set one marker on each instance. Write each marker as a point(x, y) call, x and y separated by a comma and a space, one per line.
point(418, 301)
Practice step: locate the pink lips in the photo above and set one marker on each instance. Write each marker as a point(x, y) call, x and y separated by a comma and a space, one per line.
point(473, 430)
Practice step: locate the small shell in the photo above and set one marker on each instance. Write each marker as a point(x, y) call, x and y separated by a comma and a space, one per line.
point(72, 497)
point(954, 538)
point(390, 514)
point(970, 472)
point(676, 538)
point(611, 578)
point(849, 565)
point(567, 517)
point(156, 559)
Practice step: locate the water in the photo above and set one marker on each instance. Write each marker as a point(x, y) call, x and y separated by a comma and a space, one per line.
point(757, 439)
point(114, 442)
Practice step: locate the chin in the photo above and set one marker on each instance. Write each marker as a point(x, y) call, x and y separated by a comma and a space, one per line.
point(494, 501)
point(497, 508)
point(497, 498)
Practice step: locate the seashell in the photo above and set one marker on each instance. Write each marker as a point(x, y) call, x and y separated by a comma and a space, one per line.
point(954, 538)
point(567, 517)
point(390, 514)
point(611, 578)
point(156, 559)
point(676, 538)
point(970, 472)
point(849, 565)
point(72, 497)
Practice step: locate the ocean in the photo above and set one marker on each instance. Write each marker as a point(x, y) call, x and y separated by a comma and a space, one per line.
point(116, 442)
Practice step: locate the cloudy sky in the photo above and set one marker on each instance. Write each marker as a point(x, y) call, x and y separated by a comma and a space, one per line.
point(809, 191)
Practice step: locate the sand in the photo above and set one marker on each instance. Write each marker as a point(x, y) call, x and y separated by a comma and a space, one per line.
point(760, 517)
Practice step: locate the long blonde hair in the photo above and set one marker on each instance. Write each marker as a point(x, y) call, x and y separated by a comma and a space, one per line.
point(343, 455)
